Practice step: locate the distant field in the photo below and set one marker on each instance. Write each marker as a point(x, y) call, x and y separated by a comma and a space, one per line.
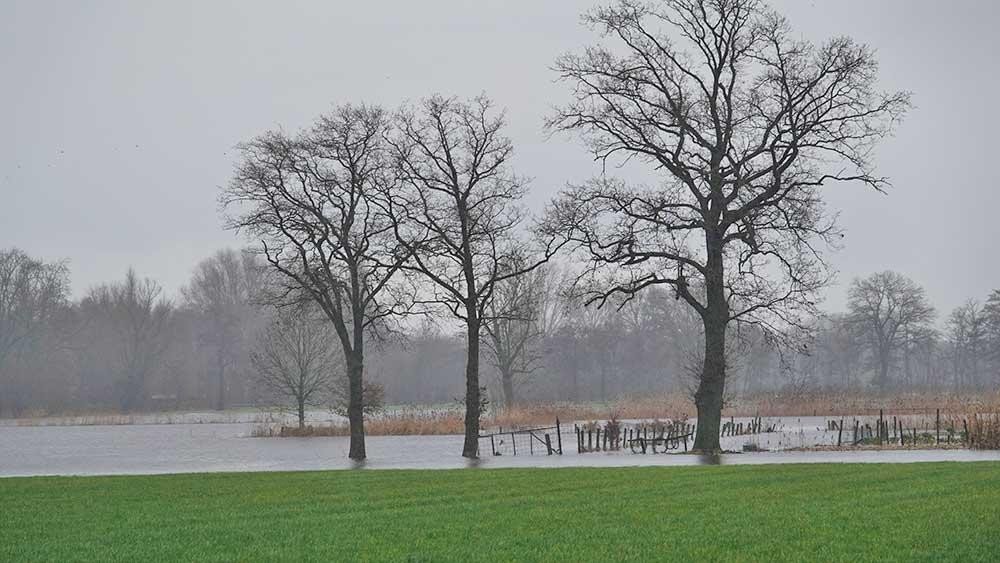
point(930, 512)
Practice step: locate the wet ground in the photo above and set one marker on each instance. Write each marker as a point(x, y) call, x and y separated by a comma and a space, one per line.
point(183, 448)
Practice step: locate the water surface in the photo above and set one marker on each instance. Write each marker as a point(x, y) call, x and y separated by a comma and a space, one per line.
point(186, 448)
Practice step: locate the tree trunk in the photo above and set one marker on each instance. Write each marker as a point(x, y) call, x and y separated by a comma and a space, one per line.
point(355, 405)
point(712, 385)
point(883, 370)
point(470, 448)
point(302, 412)
point(507, 382)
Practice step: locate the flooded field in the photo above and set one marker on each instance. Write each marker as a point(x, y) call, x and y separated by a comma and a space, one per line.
point(181, 447)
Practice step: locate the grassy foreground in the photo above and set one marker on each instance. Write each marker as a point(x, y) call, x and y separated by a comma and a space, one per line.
point(942, 511)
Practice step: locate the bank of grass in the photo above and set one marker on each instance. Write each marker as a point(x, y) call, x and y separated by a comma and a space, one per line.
point(841, 512)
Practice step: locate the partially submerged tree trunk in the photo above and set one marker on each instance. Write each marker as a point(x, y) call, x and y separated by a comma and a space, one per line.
point(470, 448)
point(710, 395)
point(355, 406)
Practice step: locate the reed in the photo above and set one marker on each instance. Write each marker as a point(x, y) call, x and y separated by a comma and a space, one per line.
point(984, 431)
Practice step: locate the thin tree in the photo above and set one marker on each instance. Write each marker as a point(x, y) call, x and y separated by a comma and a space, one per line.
point(741, 122)
point(295, 359)
point(884, 308)
point(515, 330)
point(461, 219)
point(314, 202)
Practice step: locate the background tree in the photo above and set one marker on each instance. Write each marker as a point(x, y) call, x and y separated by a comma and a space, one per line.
point(991, 311)
point(135, 320)
point(32, 294)
point(521, 314)
point(460, 218)
point(295, 359)
point(885, 307)
point(317, 204)
point(967, 335)
point(224, 291)
point(739, 119)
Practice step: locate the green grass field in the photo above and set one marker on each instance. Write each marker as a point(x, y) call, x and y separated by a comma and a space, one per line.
point(931, 512)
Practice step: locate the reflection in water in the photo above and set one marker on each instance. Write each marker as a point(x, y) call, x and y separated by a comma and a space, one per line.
point(713, 458)
point(474, 463)
point(359, 464)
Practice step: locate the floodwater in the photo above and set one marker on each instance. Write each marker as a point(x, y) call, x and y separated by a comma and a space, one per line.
point(214, 447)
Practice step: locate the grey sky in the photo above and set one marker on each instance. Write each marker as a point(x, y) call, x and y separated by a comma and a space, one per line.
point(118, 118)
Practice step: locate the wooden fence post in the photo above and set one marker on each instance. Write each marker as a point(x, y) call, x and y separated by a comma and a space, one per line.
point(548, 444)
point(880, 427)
point(937, 427)
point(559, 435)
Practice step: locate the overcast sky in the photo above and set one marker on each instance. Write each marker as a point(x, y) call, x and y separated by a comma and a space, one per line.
point(117, 119)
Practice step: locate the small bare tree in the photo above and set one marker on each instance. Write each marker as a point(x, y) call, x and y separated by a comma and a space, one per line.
point(295, 359)
point(460, 218)
point(315, 202)
point(515, 329)
point(742, 122)
point(885, 307)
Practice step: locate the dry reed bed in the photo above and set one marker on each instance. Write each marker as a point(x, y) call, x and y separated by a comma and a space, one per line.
point(667, 406)
point(984, 431)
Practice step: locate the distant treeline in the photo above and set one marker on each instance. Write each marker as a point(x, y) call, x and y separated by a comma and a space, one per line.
point(126, 346)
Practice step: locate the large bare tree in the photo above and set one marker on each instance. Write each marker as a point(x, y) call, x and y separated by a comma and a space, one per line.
point(460, 216)
point(886, 308)
point(315, 202)
point(741, 122)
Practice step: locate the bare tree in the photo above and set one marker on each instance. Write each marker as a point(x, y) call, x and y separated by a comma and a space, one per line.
point(742, 122)
point(460, 217)
point(885, 307)
point(967, 334)
point(32, 292)
point(137, 318)
point(224, 291)
point(991, 312)
point(295, 359)
point(315, 203)
point(515, 328)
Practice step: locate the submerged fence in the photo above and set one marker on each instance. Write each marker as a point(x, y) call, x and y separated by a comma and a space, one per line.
point(978, 430)
point(540, 438)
